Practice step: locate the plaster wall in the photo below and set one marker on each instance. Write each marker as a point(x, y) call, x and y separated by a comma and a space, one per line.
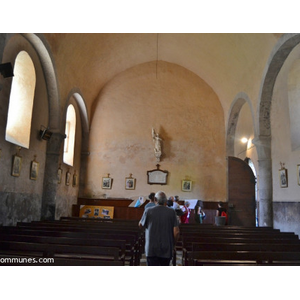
point(185, 112)
point(285, 200)
point(66, 195)
point(281, 137)
point(20, 197)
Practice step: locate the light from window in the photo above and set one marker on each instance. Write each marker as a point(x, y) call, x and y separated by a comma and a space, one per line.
point(19, 116)
point(69, 143)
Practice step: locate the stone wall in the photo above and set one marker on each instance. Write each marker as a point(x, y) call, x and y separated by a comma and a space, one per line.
point(287, 216)
point(185, 112)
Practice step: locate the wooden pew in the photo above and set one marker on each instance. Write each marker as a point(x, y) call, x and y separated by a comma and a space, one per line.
point(93, 227)
point(76, 230)
point(201, 227)
point(120, 244)
point(112, 239)
point(202, 258)
point(111, 223)
point(59, 251)
point(21, 260)
point(189, 255)
point(220, 230)
point(114, 220)
point(243, 246)
point(254, 235)
point(234, 238)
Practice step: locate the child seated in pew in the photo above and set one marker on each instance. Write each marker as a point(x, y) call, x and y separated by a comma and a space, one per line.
point(186, 216)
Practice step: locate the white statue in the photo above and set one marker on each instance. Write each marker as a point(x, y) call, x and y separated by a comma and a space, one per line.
point(157, 145)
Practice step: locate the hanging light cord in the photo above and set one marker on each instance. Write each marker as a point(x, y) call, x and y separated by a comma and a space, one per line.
point(156, 54)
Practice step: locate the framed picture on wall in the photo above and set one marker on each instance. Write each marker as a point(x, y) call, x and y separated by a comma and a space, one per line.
point(16, 166)
point(106, 182)
point(74, 182)
point(283, 177)
point(59, 175)
point(298, 174)
point(186, 185)
point(129, 183)
point(34, 170)
point(68, 176)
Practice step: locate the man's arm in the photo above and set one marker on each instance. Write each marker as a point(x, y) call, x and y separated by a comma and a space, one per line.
point(140, 225)
point(143, 220)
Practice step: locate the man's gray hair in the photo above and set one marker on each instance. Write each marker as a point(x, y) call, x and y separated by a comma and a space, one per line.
point(161, 198)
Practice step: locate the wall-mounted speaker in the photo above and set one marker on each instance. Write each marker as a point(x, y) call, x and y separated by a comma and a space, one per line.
point(6, 70)
point(45, 134)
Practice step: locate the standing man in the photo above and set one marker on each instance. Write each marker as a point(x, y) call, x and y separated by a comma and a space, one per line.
point(162, 232)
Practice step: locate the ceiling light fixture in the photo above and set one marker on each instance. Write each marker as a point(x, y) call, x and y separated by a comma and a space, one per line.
point(244, 140)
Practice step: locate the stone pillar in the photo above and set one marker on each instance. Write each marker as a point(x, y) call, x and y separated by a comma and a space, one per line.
point(50, 179)
point(263, 146)
point(83, 164)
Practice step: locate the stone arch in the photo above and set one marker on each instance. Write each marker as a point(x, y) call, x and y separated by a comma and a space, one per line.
point(263, 141)
point(234, 111)
point(76, 94)
point(54, 124)
point(50, 78)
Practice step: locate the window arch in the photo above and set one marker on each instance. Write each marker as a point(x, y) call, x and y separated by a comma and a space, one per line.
point(70, 129)
point(294, 106)
point(21, 99)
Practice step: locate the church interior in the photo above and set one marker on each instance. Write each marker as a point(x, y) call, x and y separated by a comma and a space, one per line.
point(81, 108)
point(92, 123)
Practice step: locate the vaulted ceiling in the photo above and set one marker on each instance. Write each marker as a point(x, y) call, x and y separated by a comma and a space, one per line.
point(228, 62)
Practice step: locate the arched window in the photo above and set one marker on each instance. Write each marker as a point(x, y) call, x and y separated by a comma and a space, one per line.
point(19, 116)
point(294, 105)
point(69, 143)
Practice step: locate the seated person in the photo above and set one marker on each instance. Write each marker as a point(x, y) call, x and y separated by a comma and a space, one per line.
point(220, 209)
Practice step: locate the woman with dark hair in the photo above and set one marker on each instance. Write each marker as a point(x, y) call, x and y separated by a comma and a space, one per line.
point(221, 214)
point(152, 201)
point(199, 213)
point(170, 201)
point(220, 209)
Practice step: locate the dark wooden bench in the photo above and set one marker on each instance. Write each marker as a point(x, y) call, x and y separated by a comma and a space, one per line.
point(111, 224)
point(201, 227)
point(121, 244)
point(234, 238)
point(242, 246)
point(77, 224)
point(215, 232)
point(187, 242)
point(111, 239)
point(96, 224)
point(237, 235)
point(31, 249)
point(114, 220)
point(21, 260)
point(202, 258)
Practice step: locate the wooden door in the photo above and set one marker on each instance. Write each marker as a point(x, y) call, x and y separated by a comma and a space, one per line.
point(241, 193)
